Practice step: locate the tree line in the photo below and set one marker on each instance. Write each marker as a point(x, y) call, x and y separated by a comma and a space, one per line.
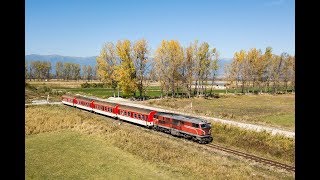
point(41, 70)
point(258, 71)
point(181, 71)
point(123, 65)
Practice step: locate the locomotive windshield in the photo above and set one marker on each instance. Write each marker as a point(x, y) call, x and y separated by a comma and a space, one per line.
point(203, 126)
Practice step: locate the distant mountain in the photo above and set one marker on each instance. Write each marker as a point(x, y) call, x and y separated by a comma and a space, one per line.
point(55, 58)
point(92, 60)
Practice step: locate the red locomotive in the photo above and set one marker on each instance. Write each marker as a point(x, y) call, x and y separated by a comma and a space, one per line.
point(178, 125)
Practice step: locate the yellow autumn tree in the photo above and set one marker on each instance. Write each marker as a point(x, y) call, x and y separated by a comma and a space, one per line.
point(169, 58)
point(126, 72)
point(106, 65)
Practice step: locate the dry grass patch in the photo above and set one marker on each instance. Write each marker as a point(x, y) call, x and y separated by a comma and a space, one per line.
point(271, 110)
point(175, 155)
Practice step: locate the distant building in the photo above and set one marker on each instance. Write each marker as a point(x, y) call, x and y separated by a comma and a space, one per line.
point(220, 85)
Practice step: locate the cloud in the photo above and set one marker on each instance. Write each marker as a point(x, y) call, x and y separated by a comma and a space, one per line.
point(274, 2)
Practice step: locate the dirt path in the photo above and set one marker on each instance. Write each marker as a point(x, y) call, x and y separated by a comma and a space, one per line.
point(41, 102)
point(249, 126)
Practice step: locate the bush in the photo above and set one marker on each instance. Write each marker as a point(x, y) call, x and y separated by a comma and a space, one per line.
point(85, 85)
point(43, 89)
point(30, 87)
point(58, 92)
point(92, 85)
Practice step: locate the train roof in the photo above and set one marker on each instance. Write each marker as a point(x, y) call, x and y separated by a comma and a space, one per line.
point(135, 109)
point(181, 117)
point(96, 100)
point(105, 103)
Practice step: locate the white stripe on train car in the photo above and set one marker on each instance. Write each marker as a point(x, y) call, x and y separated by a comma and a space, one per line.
point(104, 113)
point(83, 107)
point(69, 103)
point(142, 122)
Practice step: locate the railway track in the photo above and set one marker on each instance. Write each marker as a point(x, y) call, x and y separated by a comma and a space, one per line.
point(253, 157)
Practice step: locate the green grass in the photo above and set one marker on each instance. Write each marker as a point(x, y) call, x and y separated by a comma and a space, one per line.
point(171, 157)
point(74, 155)
point(98, 92)
point(271, 110)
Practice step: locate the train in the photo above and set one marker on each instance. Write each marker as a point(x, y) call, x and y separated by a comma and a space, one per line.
point(192, 128)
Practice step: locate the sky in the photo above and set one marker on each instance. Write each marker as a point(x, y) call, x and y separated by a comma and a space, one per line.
point(81, 27)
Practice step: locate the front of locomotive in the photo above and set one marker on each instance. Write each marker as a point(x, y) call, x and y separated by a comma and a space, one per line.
point(206, 132)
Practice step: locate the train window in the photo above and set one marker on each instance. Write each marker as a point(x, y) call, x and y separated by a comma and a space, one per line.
point(175, 122)
point(142, 117)
point(204, 126)
point(162, 121)
point(139, 116)
point(155, 116)
point(195, 125)
point(125, 113)
point(135, 115)
point(181, 122)
point(129, 114)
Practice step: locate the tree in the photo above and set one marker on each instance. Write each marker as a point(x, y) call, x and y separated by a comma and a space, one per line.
point(107, 65)
point(161, 67)
point(126, 72)
point(40, 69)
point(255, 65)
point(89, 73)
point(67, 70)
point(84, 72)
point(75, 69)
point(276, 70)
point(293, 71)
point(140, 51)
point(214, 67)
point(190, 59)
point(59, 70)
point(203, 61)
point(169, 57)
point(26, 75)
point(286, 69)
point(266, 76)
point(242, 65)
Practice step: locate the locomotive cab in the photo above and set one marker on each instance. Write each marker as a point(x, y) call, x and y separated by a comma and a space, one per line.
point(206, 127)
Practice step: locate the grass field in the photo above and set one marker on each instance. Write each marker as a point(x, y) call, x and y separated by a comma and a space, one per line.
point(75, 144)
point(271, 110)
point(74, 155)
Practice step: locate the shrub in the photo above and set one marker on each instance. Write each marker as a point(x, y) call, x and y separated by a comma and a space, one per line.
point(43, 89)
point(85, 85)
